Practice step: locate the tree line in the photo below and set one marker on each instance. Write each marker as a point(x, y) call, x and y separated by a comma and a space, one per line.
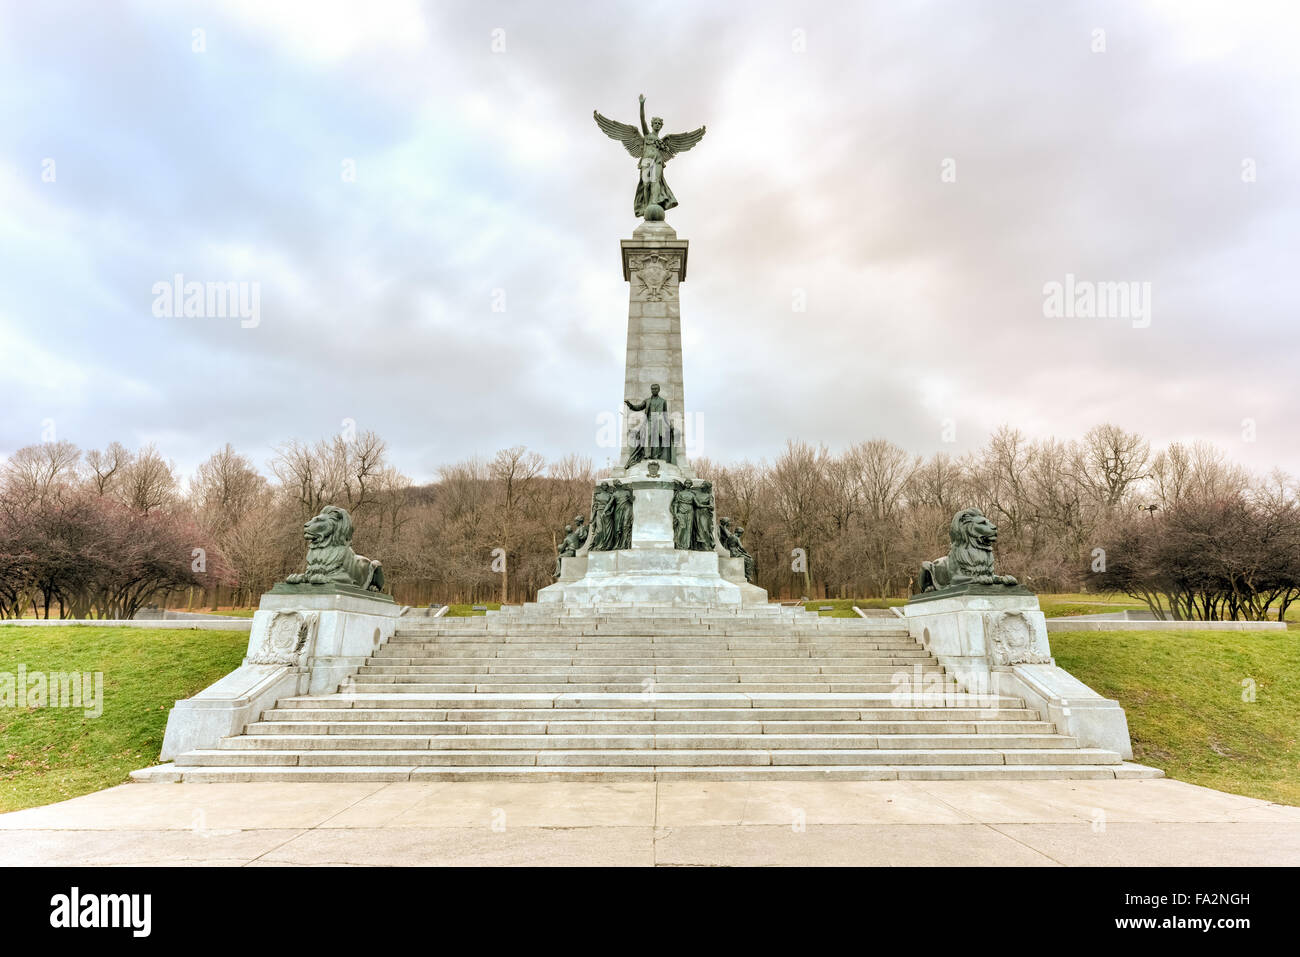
point(1185, 529)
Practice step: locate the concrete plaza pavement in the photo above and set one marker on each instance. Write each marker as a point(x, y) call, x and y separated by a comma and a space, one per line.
point(895, 823)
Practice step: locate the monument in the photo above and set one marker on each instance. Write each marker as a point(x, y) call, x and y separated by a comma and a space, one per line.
point(651, 574)
point(655, 537)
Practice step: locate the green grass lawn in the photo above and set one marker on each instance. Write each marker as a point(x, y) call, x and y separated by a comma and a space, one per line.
point(843, 607)
point(50, 754)
point(1054, 606)
point(464, 611)
point(1182, 692)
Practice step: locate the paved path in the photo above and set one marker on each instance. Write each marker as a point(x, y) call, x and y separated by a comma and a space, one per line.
point(1141, 822)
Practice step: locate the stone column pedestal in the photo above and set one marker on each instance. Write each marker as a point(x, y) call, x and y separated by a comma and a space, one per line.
point(980, 631)
point(307, 640)
point(997, 644)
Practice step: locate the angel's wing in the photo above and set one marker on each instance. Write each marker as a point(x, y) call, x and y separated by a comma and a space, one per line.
point(675, 143)
point(626, 134)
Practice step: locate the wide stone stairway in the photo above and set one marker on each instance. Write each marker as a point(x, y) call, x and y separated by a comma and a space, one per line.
point(619, 693)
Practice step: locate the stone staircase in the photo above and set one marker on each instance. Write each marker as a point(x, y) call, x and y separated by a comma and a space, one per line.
point(623, 693)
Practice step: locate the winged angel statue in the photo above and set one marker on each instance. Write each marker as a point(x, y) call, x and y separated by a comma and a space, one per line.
point(651, 153)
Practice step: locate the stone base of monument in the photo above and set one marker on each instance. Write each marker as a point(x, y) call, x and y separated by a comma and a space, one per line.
point(993, 640)
point(653, 571)
point(650, 577)
point(305, 639)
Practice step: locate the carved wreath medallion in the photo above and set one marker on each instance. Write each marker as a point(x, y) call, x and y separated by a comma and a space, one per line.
point(286, 637)
point(1013, 641)
point(655, 274)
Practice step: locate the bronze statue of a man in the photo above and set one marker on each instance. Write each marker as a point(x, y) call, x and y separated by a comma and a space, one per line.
point(580, 532)
point(751, 565)
point(575, 535)
point(654, 438)
point(565, 549)
point(730, 539)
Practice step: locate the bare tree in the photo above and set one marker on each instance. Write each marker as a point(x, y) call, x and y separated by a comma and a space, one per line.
point(105, 467)
point(148, 481)
point(999, 476)
point(338, 471)
point(1170, 475)
point(797, 481)
point(37, 473)
point(225, 488)
point(307, 475)
point(516, 471)
point(739, 489)
point(1109, 462)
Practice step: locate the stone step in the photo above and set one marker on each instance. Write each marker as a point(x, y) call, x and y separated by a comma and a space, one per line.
point(683, 625)
point(699, 633)
point(886, 656)
point(644, 742)
point(773, 666)
point(827, 628)
point(651, 640)
point(635, 693)
point(482, 656)
point(779, 648)
point(490, 667)
point(666, 613)
point(656, 609)
point(323, 712)
point(635, 757)
point(370, 685)
point(657, 701)
point(887, 679)
point(786, 655)
point(335, 726)
point(366, 774)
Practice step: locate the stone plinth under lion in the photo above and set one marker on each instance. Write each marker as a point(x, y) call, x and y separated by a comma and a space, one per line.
point(309, 633)
point(990, 635)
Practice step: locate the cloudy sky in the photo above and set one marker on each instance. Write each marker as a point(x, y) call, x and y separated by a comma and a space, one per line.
point(913, 174)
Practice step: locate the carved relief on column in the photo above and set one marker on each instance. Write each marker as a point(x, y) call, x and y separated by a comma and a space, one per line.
point(654, 275)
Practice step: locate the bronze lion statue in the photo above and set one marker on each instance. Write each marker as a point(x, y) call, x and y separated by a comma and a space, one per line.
point(330, 558)
point(970, 559)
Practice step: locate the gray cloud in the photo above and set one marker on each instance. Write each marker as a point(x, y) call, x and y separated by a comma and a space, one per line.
point(481, 171)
